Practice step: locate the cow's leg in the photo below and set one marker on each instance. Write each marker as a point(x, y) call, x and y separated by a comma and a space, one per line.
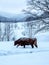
point(24, 46)
point(35, 43)
point(17, 45)
point(36, 46)
point(32, 46)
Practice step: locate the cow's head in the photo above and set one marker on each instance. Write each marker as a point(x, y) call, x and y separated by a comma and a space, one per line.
point(15, 43)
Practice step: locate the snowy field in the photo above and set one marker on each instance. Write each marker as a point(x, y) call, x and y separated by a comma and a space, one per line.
point(11, 55)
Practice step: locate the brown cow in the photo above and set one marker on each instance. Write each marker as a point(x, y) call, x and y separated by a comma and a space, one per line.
point(26, 41)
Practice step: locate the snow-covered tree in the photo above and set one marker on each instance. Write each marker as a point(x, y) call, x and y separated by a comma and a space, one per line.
point(0, 31)
point(38, 11)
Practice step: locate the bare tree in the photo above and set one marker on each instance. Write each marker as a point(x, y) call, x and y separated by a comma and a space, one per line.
point(38, 5)
point(41, 15)
point(7, 31)
point(0, 31)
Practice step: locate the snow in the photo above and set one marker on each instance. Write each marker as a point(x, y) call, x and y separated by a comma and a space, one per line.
point(11, 55)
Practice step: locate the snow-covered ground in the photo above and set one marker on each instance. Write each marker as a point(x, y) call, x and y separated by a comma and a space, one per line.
point(11, 55)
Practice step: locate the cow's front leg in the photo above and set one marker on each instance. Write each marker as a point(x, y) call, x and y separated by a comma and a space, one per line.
point(17, 45)
point(24, 46)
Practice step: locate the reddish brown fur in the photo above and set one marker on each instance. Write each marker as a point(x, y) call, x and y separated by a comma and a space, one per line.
point(26, 41)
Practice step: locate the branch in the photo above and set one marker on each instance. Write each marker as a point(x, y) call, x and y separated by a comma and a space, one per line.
point(46, 4)
point(36, 4)
point(42, 28)
point(28, 12)
point(45, 22)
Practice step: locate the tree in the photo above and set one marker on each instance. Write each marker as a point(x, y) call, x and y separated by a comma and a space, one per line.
point(0, 31)
point(7, 31)
point(41, 14)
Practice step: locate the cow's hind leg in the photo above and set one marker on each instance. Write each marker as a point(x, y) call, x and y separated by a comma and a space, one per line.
point(36, 46)
point(32, 46)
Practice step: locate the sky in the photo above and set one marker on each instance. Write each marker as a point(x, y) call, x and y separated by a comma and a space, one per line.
point(12, 6)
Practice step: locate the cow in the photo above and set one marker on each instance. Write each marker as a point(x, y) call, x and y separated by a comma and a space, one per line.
point(26, 41)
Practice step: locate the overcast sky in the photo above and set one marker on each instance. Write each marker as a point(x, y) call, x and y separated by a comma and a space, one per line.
point(12, 6)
